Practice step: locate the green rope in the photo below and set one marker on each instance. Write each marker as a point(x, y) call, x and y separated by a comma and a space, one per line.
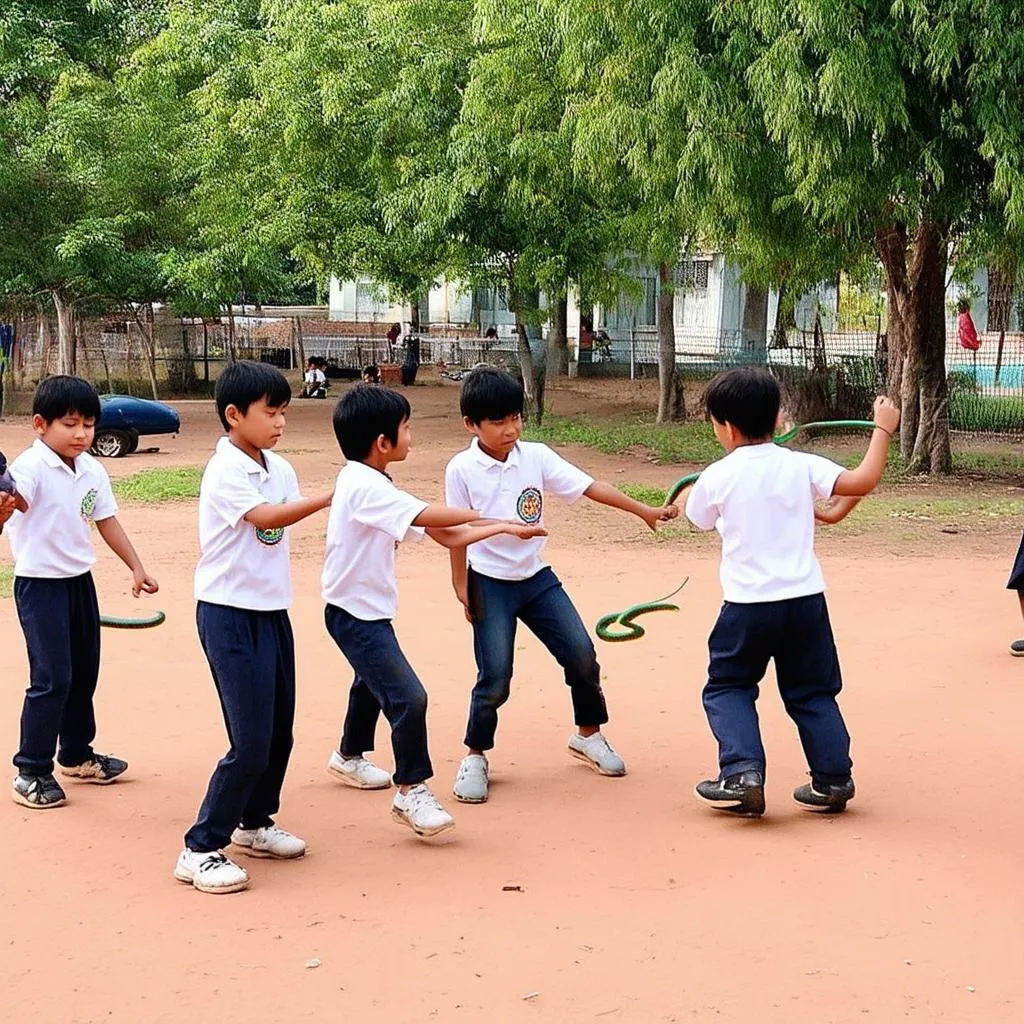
point(625, 619)
point(147, 622)
point(680, 485)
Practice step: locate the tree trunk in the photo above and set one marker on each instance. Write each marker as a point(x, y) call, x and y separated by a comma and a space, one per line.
point(533, 410)
point(188, 365)
point(65, 332)
point(557, 355)
point(150, 341)
point(300, 344)
point(917, 342)
point(782, 318)
point(232, 349)
point(755, 324)
point(671, 398)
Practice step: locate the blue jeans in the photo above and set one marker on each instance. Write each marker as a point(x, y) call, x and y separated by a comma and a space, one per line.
point(252, 658)
point(798, 635)
point(61, 623)
point(384, 680)
point(544, 607)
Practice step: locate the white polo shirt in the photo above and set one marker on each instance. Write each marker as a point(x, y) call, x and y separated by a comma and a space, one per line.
point(239, 565)
point(513, 489)
point(52, 540)
point(369, 517)
point(761, 498)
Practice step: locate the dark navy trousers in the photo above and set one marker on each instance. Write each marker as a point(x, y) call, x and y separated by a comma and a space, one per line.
point(797, 634)
point(252, 658)
point(61, 622)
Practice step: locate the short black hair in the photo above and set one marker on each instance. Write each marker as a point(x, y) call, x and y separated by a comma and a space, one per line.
point(490, 394)
point(747, 397)
point(245, 382)
point(59, 395)
point(364, 414)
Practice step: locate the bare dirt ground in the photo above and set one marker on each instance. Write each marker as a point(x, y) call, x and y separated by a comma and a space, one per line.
point(628, 901)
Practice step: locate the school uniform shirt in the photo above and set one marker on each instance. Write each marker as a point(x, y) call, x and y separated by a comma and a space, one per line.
point(369, 517)
point(53, 539)
point(761, 498)
point(241, 566)
point(515, 490)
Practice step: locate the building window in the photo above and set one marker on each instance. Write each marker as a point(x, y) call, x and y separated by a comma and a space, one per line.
point(693, 275)
point(649, 306)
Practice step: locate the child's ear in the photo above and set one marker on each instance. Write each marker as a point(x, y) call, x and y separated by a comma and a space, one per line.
point(469, 425)
point(383, 444)
point(39, 424)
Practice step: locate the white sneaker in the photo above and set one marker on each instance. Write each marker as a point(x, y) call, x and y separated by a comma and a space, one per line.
point(210, 872)
point(597, 752)
point(269, 841)
point(420, 810)
point(358, 772)
point(471, 782)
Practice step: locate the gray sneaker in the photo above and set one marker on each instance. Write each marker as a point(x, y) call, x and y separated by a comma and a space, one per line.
point(1017, 648)
point(471, 782)
point(39, 792)
point(597, 752)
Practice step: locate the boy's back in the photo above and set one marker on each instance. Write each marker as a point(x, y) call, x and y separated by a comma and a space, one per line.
point(760, 498)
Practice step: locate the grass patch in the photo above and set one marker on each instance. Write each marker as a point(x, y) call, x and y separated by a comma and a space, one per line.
point(156, 485)
point(988, 414)
point(6, 582)
point(675, 442)
point(643, 493)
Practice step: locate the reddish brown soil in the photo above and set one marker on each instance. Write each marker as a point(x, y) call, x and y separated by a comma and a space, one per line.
point(630, 903)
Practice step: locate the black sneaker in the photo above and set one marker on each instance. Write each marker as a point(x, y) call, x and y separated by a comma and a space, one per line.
point(38, 792)
point(100, 768)
point(1017, 648)
point(829, 799)
point(741, 794)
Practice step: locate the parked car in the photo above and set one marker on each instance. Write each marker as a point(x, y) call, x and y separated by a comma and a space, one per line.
point(124, 419)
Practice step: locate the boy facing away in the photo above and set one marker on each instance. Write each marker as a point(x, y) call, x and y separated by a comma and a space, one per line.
point(248, 498)
point(369, 517)
point(760, 497)
point(61, 492)
point(500, 583)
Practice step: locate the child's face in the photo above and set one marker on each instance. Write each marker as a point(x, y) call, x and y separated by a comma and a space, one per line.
point(261, 426)
point(68, 435)
point(497, 437)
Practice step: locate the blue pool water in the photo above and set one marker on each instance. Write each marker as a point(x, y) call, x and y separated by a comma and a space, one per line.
point(1011, 376)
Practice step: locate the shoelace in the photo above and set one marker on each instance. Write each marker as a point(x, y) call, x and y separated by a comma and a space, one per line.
point(421, 797)
point(213, 861)
point(466, 770)
point(41, 788)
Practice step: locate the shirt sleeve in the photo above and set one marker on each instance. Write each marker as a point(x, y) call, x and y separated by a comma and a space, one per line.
point(823, 474)
point(702, 508)
point(23, 473)
point(234, 496)
point(382, 506)
point(106, 505)
point(456, 493)
point(561, 477)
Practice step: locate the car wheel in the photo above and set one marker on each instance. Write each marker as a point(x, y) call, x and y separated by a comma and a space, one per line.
point(111, 444)
point(133, 442)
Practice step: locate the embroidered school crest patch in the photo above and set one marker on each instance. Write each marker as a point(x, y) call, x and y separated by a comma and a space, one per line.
point(530, 505)
point(88, 506)
point(270, 537)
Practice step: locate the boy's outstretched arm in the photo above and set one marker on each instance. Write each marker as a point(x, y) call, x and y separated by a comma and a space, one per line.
point(272, 517)
point(440, 516)
point(117, 540)
point(461, 536)
point(859, 482)
point(605, 494)
point(837, 510)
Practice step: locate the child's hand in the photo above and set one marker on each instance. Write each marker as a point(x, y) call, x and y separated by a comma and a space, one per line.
point(526, 532)
point(652, 514)
point(7, 507)
point(142, 581)
point(887, 416)
point(462, 593)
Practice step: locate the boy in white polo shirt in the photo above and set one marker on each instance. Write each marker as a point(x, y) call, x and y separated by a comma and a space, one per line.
point(61, 492)
point(508, 478)
point(248, 498)
point(760, 498)
point(369, 517)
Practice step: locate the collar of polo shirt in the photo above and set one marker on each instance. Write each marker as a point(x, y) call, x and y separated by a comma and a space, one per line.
point(225, 446)
point(50, 457)
point(511, 460)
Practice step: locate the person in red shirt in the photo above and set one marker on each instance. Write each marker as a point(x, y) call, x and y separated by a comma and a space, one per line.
point(965, 329)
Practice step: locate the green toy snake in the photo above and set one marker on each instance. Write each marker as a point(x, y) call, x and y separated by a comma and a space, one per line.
point(147, 622)
point(625, 619)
